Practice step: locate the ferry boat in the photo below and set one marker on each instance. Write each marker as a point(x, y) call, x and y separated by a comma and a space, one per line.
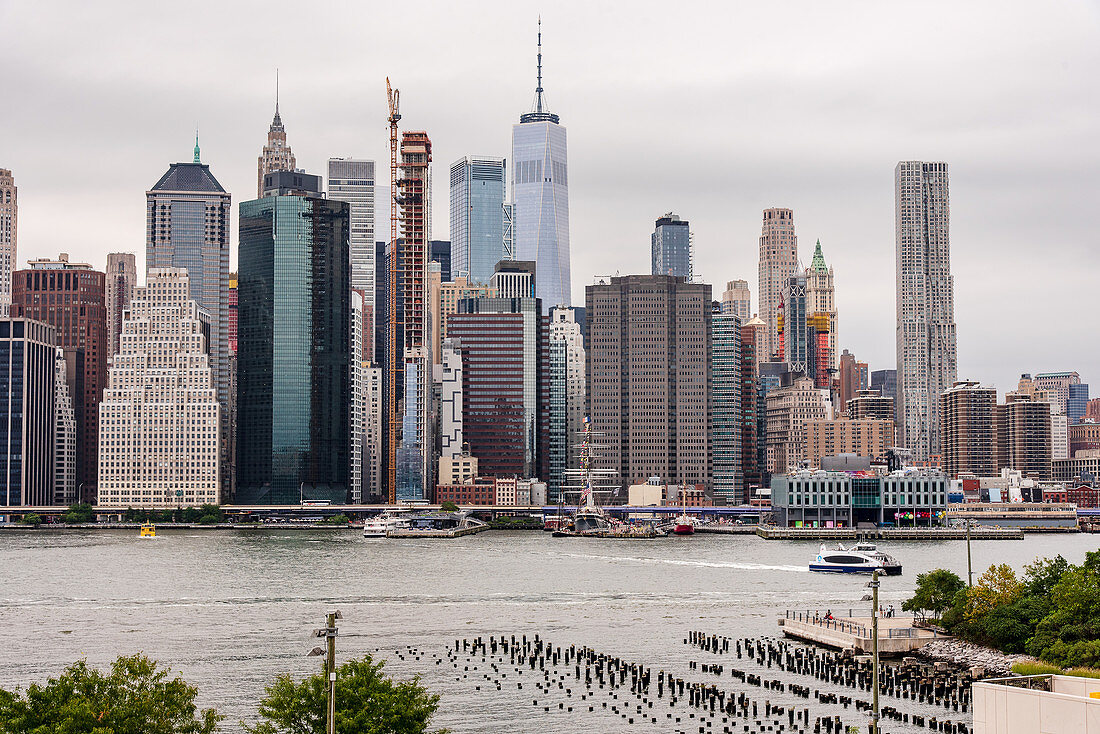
point(685, 525)
point(381, 525)
point(860, 558)
point(148, 530)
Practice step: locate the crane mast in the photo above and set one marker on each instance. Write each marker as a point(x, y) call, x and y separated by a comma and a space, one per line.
point(393, 98)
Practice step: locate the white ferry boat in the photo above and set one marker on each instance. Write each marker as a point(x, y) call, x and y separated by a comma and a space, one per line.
point(381, 525)
point(860, 558)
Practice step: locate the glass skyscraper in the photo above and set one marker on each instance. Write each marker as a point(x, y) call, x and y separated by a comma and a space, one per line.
point(293, 359)
point(477, 217)
point(352, 180)
point(670, 247)
point(726, 407)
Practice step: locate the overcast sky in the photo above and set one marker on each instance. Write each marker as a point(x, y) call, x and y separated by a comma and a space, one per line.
point(712, 110)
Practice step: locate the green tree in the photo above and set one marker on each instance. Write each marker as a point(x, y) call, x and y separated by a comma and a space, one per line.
point(134, 697)
point(31, 519)
point(367, 702)
point(997, 586)
point(81, 512)
point(337, 520)
point(448, 506)
point(1041, 576)
point(1070, 632)
point(935, 591)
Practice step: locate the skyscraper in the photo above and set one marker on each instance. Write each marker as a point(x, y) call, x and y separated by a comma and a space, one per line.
point(670, 247)
point(778, 262)
point(853, 376)
point(9, 231)
point(967, 433)
point(64, 435)
point(725, 430)
point(820, 300)
point(790, 407)
point(27, 415)
point(1023, 436)
point(793, 324)
point(70, 297)
point(357, 409)
point(352, 180)
point(567, 393)
point(276, 154)
point(160, 418)
point(737, 300)
point(540, 196)
point(925, 303)
point(293, 349)
point(121, 279)
point(750, 460)
point(886, 382)
point(648, 377)
point(477, 216)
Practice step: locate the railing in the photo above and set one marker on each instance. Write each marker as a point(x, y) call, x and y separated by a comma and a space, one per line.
point(1031, 682)
point(822, 619)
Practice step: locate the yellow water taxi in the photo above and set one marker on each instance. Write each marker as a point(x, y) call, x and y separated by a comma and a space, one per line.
point(148, 530)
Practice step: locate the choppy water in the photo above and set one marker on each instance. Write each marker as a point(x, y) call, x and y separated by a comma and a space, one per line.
point(230, 609)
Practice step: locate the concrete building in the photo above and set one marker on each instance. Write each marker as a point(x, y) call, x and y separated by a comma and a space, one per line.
point(1084, 466)
point(820, 299)
point(9, 236)
point(648, 377)
point(294, 356)
point(352, 180)
point(866, 437)
point(120, 284)
point(565, 417)
point(513, 279)
point(778, 262)
point(870, 404)
point(372, 435)
point(843, 499)
point(852, 376)
point(1083, 437)
point(926, 351)
point(160, 419)
point(1092, 410)
point(27, 377)
point(758, 329)
point(64, 435)
point(725, 408)
point(737, 300)
point(448, 375)
point(71, 298)
point(540, 196)
point(671, 247)
point(790, 407)
point(967, 431)
point(1023, 436)
point(477, 217)
point(276, 154)
point(357, 408)
point(1058, 383)
point(443, 299)
point(457, 469)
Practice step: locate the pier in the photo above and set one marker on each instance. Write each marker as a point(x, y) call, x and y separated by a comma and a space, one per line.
point(896, 635)
point(982, 533)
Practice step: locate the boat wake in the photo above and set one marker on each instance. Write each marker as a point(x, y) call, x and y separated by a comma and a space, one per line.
point(677, 562)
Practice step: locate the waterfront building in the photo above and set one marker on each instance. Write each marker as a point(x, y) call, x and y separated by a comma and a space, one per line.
point(967, 432)
point(865, 437)
point(540, 196)
point(925, 303)
point(820, 299)
point(750, 460)
point(64, 435)
point(352, 180)
point(670, 247)
point(514, 279)
point(9, 236)
point(842, 499)
point(160, 419)
point(737, 300)
point(790, 407)
point(778, 262)
point(71, 298)
point(120, 283)
point(725, 401)
point(649, 379)
point(477, 216)
point(1023, 436)
point(460, 468)
point(443, 300)
point(853, 376)
point(505, 346)
point(293, 359)
point(886, 382)
point(357, 408)
point(1083, 466)
point(276, 154)
point(448, 375)
point(27, 377)
point(565, 412)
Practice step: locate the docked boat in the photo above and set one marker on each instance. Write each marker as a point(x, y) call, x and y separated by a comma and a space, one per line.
point(381, 525)
point(148, 530)
point(860, 558)
point(684, 525)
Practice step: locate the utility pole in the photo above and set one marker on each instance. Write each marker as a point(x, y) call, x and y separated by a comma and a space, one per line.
point(874, 644)
point(329, 632)
point(969, 563)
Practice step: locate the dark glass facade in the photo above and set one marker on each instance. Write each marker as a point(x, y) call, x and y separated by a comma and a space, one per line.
point(26, 412)
point(294, 354)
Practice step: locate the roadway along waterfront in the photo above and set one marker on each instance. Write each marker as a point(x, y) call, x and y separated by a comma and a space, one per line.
point(231, 610)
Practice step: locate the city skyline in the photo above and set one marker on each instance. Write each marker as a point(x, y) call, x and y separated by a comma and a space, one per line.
point(997, 224)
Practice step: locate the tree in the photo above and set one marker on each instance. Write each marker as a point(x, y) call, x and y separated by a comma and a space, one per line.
point(1041, 575)
point(31, 519)
point(449, 506)
point(81, 512)
point(935, 591)
point(367, 702)
point(997, 586)
point(133, 698)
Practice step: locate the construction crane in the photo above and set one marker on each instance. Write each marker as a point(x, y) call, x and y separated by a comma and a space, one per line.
point(393, 96)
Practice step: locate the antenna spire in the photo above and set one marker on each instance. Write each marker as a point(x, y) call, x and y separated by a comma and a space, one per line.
point(538, 87)
point(196, 145)
point(276, 90)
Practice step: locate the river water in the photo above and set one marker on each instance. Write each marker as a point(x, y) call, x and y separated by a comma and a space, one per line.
point(231, 609)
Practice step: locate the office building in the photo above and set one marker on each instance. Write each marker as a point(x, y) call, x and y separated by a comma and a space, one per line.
point(9, 235)
point(1083, 437)
point(725, 401)
point(749, 413)
point(870, 404)
point(853, 376)
point(793, 324)
point(27, 374)
point(670, 247)
point(1092, 410)
point(925, 303)
point(441, 253)
point(448, 376)
point(967, 432)
point(540, 197)
point(886, 382)
point(778, 262)
point(71, 298)
point(120, 283)
point(565, 417)
point(357, 410)
point(477, 217)
point(1058, 384)
point(64, 435)
point(846, 499)
point(443, 300)
point(276, 154)
point(1077, 401)
point(1023, 436)
point(867, 437)
point(790, 407)
point(648, 377)
point(293, 350)
point(737, 300)
point(1083, 466)
point(372, 436)
point(505, 346)
point(514, 279)
point(457, 469)
point(352, 180)
point(160, 418)
point(821, 302)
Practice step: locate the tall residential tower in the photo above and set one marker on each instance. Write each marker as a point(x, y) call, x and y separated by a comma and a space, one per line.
point(9, 225)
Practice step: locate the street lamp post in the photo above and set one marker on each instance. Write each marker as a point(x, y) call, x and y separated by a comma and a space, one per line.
point(874, 644)
point(969, 563)
point(329, 632)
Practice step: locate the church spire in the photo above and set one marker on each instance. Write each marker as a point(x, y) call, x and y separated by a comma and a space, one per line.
point(196, 145)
